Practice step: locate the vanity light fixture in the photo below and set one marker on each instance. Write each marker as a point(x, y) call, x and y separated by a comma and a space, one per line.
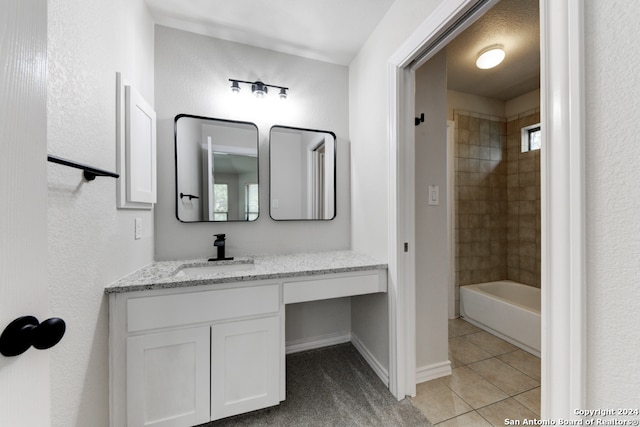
point(258, 88)
point(490, 57)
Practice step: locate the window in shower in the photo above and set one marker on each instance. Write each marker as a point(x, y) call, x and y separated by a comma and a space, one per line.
point(531, 138)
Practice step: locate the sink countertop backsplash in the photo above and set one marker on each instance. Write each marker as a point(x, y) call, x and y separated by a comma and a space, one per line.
point(160, 275)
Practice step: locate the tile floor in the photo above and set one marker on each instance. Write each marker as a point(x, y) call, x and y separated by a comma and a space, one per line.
point(491, 380)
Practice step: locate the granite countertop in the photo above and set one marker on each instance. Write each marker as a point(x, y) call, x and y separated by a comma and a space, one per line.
point(161, 275)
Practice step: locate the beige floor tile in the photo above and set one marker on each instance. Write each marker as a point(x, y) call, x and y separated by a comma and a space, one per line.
point(490, 343)
point(524, 362)
point(458, 327)
point(437, 402)
point(471, 387)
point(455, 363)
point(498, 413)
point(530, 399)
point(465, 351)
point(503, 376)
point(470, 419)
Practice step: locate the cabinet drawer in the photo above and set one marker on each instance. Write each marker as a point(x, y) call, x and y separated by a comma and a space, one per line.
point(334, 287)
point(183, 309)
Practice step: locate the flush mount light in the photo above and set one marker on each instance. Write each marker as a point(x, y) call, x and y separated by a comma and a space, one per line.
point(258, 88)
point(490, 57)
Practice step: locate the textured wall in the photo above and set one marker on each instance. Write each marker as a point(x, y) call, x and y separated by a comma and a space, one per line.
point(192, 73)
point(91, 243)
point(613, 202)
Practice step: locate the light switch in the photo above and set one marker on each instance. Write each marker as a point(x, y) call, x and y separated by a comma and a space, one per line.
point(434, 195)
point(275, 204)
point(138, 228)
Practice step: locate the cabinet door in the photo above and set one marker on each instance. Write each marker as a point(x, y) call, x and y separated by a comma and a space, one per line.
point(168, 378)
point(245, 366)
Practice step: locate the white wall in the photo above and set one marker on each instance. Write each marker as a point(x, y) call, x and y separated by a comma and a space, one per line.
point(612, 173)
point(91, 243)
point(368, 100)
point(478, 104)
point(613, 202)
point(192, 73)
point(368, 118)
point(433, 263)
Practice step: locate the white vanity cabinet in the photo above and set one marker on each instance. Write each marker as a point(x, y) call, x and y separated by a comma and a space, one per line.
point(182, 357)
point(185, 350)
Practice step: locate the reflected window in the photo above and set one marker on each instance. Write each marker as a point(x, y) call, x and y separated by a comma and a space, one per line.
point(251, 202)
point(221, 202)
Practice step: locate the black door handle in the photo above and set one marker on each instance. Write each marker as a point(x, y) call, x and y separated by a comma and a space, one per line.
point(26, 331)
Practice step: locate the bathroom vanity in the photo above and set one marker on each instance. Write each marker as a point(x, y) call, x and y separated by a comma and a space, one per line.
point(196, 341)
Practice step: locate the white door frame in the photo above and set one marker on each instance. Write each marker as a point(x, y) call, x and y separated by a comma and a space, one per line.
point(562, 163)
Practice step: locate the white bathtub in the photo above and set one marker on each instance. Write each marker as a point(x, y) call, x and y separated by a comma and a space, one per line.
point(506, 309)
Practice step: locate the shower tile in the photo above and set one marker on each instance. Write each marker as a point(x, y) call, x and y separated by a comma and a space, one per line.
point(438, 402)
point(503, 376)
point(470, 419)
point(490, 343)
point(530, 399)
point(485, 152)
point(472, 388)
point(463, 150)
point(529, 193)
point(463, 136)
point(474, 148)
point(474, 137)
point(524, 362)
point(527, 178)
point(497, 413)
point(462, 121)
point(474, 124)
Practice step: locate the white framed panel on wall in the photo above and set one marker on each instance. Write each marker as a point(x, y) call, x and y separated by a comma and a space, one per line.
point(136, 148)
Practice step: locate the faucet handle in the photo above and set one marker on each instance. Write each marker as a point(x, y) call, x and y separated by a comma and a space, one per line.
point(219, 236)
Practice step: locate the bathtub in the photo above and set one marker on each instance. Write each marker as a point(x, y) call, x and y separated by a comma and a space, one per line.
point(506, 309)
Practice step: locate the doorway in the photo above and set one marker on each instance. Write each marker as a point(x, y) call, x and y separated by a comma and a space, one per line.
point(562, 236)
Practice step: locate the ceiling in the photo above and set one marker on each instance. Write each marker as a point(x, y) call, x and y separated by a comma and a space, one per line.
point(326, 30)
point(334, 30)
point(515, 24)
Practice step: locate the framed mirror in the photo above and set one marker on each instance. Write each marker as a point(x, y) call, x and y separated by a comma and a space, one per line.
point(302, 174)
point(216, 169)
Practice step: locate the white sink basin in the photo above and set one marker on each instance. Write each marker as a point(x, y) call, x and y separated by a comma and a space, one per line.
point(203, 270)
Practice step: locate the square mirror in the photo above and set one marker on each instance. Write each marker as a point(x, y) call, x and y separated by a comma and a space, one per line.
point(216, 169)
point(302, 174)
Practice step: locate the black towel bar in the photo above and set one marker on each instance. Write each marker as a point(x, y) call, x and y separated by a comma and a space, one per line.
point(90, 172)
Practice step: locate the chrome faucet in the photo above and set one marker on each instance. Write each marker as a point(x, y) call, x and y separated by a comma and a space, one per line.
point(219, 243)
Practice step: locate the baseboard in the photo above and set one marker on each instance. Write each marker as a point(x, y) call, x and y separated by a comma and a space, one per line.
point(431, 372)
point(377, 367)
point(317, 342)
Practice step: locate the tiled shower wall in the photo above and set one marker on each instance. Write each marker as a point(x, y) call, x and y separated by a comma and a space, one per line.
point(497, 193)
point(523, 192)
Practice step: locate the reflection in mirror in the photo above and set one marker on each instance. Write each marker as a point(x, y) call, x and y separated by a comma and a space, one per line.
point(302, 174)
point(216, 169)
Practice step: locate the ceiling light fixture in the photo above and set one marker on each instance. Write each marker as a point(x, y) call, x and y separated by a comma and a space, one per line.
point(490, 57)
point(258, 88)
